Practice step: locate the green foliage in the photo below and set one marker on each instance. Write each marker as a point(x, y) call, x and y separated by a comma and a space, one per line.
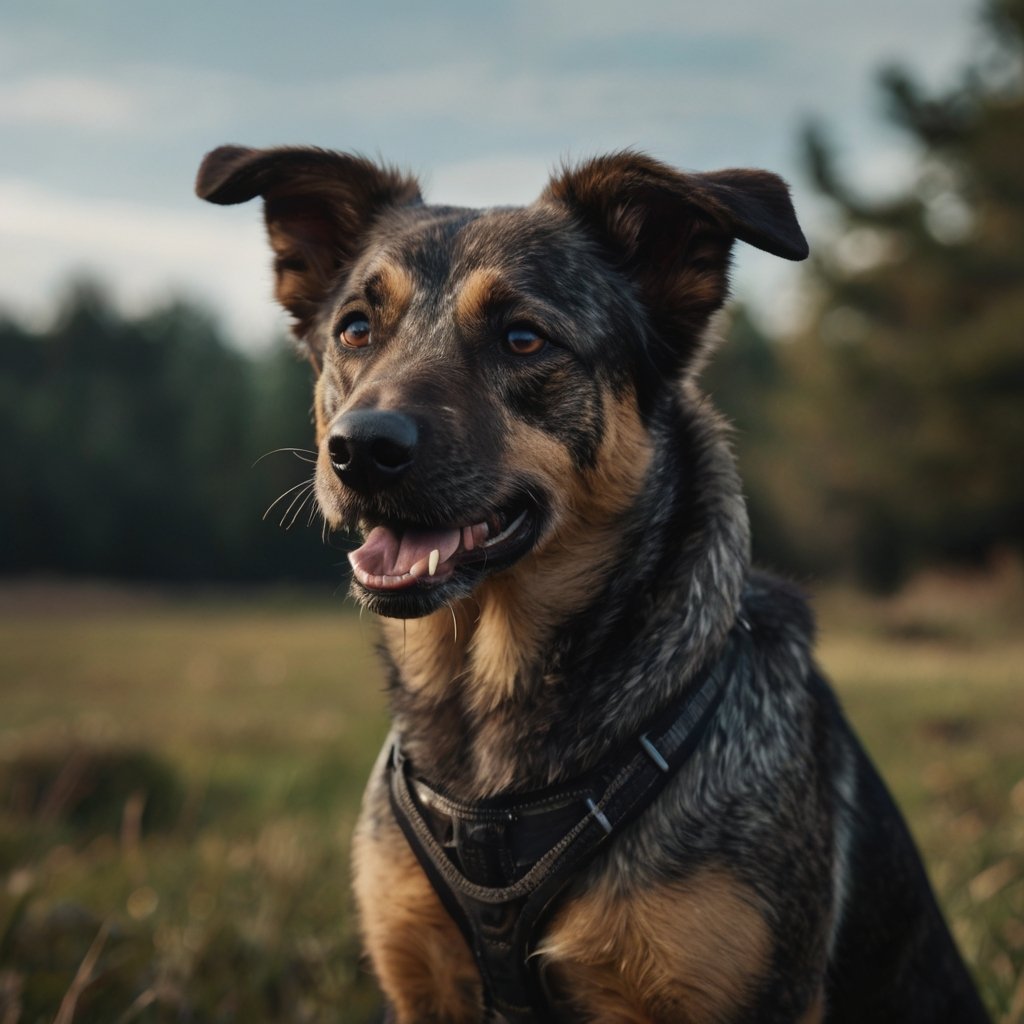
point(910, 381)
point(135, 448)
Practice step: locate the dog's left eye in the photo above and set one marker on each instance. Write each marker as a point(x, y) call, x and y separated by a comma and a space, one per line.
point(522, 341)
point(356, 332)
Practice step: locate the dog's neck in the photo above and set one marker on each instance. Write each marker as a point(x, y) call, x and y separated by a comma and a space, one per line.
point(594, 632)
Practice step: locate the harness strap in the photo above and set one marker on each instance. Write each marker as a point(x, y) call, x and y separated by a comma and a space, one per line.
point(498, 865)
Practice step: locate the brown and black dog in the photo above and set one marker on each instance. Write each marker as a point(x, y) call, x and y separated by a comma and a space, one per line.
point(617, 789)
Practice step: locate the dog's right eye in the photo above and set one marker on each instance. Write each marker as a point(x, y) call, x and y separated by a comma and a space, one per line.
point(355, 332)
point(524, 341)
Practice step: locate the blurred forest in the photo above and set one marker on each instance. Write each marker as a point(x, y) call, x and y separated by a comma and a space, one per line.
point(887, 435)
point(149, 449)
point(884, 437)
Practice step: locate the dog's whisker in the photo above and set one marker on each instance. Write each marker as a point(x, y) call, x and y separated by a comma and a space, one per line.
point(299, 453)
point(282, 496)
point(309, 499)
point(302, 494)
point(302, 504)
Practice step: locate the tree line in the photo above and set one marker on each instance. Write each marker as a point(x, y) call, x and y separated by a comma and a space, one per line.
point(886, 435)
point(883, 436)
point(146, 448)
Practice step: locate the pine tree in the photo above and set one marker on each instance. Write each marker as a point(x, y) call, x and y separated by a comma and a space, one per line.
point(909, 399)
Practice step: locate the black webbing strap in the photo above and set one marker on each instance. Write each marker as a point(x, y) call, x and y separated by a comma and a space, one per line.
point(533, 843)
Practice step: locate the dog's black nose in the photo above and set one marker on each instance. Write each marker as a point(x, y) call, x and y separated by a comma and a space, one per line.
point(371, 449)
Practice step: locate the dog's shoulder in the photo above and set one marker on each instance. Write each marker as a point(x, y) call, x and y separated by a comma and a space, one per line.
point(777, 618)
point(778, 611)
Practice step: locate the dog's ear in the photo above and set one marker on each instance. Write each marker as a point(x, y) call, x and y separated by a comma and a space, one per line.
point(318, 207)
point(672, 232)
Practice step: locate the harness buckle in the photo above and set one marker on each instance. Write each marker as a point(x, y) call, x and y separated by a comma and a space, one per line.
point(599, 815)
point(654, 754)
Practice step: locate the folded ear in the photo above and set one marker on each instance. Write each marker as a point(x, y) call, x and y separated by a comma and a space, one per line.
point(318, 207)
point(673, 232)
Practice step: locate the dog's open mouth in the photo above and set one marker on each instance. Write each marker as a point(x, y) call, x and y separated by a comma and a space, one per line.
point(403, 555)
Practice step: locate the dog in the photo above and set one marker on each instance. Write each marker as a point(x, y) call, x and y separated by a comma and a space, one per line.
point(617, 788)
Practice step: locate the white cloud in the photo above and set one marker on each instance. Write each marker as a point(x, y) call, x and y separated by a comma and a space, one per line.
point(69, 101)
point(505, 179)
point(145, 254)
point(135, 101)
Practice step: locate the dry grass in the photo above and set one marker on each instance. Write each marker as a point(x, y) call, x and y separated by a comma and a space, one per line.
point(179, 778)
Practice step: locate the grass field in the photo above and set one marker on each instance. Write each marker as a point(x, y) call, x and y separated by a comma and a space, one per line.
point(179, 777)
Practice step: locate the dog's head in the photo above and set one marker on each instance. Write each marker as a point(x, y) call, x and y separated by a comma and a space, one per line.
point(485, 376)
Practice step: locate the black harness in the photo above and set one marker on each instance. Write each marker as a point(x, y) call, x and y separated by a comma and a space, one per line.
point(498, 865)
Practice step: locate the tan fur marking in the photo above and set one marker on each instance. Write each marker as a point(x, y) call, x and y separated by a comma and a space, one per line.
point(396, 289)
point(518, 608)
point(418, 954)
point(430, 651)
point(479, 288)
point(684, 953)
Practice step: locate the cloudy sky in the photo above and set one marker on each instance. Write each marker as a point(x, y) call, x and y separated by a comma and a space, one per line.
point(106, 108)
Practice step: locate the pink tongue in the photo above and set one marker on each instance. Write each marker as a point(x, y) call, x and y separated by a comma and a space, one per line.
point(383, 553)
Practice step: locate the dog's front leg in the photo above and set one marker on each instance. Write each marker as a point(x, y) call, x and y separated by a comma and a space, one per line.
point(420, 958)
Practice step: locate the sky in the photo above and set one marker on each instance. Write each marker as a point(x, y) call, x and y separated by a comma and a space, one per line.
point(107, 107)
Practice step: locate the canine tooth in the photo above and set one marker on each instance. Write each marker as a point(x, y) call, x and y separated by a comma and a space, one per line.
point(467, 538)
point(508, 530)
point(435, 557)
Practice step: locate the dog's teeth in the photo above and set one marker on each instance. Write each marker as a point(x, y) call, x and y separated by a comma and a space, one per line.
point(435, 557)
point(467, 538)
